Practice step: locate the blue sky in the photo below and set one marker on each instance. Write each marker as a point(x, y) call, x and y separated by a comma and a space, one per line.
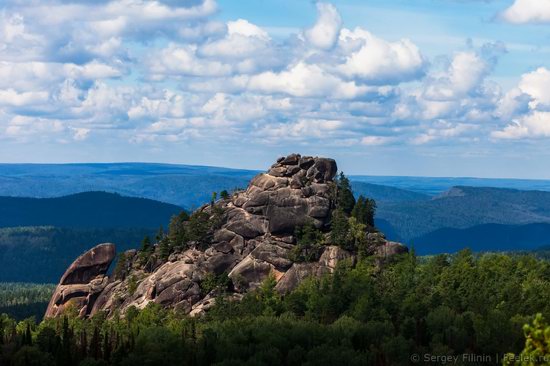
point(394, 87)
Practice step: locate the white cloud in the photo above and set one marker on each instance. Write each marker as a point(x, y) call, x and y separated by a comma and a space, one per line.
point(527, 106)
point(464, 75)
point(325, 31)
point(167, 71)
point(374, 60)
point(536, 84)
point(528, 11)
point(305, 80)
point(376, 140)
point(534, 125)
point(182, 60)
point(11, 97)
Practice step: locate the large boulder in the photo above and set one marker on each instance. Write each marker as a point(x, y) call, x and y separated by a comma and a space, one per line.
point(83, 281)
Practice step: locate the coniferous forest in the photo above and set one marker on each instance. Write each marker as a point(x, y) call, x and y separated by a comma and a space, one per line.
point(466, 305)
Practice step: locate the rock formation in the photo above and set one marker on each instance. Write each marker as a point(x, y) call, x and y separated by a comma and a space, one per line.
point(83, 281)
point(254, 239)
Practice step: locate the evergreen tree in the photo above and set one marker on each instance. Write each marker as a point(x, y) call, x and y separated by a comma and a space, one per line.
point(95, 344)
point(364, 211)
point(146, 250)
point(177, 233)
point(164, 249)
point(339, 234)
point(224, 194)
point(345, 198)
point(121, 267)
point(160, 234)
point(146, 245)
point(27, 339)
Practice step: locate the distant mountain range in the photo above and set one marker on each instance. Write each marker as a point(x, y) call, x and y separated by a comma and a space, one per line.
point(39, 238)
point(85, 210)
point(41, 254)
point(433, 214)
point(461, 208)
point(183, 185)
point(484, 238)
point(190, 186)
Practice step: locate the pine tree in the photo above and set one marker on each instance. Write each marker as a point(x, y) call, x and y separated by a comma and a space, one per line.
point(339, 234)
point(364, 211)
point(224, 194)
point(28, 336)
point(164, 249)
point(146, 250)
point(95, 344)
point(177, 233)
point(160, 234)
point(345, 198)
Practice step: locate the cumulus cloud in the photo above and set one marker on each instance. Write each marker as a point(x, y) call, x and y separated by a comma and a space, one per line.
point(167, 71)
point(527, 106)
point(325, 31)
point(528, 11)
point(375, 60)
point(534, 125)
point(306, 80)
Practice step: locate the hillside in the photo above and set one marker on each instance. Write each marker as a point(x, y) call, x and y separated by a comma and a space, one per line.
point(382, 193)
point(484, 238)
point(48, 250)
point(190, 186)
point(463, 207)
point(436, 185)
point(85, 210)
point(183, 185)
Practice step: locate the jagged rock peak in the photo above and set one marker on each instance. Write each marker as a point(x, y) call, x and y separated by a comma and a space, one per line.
point(250, 236)
point(304, 168)
point(294, 191)
point(83, 281)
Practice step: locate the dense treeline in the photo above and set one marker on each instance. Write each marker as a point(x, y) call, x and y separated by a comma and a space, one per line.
point(360, 315)
point(23, 300)
point(48, 251)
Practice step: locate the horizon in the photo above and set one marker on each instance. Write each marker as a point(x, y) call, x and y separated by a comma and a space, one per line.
point(259, 170)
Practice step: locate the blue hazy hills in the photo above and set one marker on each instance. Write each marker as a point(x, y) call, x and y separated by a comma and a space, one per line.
point(432, 214)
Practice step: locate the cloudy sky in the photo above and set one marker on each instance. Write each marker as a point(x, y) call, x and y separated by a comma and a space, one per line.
point(387, 87)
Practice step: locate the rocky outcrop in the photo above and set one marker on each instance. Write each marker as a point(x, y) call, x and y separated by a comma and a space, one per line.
point(254, 239)
point(83, 281)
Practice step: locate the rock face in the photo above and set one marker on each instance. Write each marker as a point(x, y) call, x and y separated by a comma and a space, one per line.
point(255, 239)
point(83, 281)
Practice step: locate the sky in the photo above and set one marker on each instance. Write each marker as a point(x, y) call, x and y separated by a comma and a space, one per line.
point(386, 87)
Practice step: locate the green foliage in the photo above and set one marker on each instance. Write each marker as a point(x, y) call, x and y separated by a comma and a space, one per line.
point(364, 211)
point(177, 235)
point(537, 345)
point(121, 267)
point(309, 241)
point(339, 229)
point(24, 300)
point(145, 251)
point(359, 315)
point(132, 284)
point(49, 251)
point(224, 195)
point(213, 282)
point(345, 199)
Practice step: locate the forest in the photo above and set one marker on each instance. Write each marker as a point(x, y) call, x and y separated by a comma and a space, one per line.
point(440, 306)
